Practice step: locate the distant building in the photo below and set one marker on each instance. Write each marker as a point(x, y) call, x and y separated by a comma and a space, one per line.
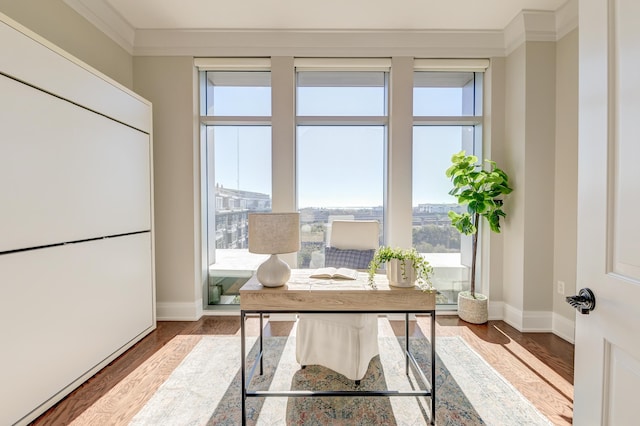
point(434, 214)
point(233, 207)
point(439, 208)
point(232, 221)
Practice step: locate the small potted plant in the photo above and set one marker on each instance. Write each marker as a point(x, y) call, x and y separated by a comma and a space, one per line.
point(404, 268)
point(481, 191)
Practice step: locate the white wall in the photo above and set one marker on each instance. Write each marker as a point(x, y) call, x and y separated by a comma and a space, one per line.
point(539, 179)
point(566, 170)
point(169, 83)
point(530, 151)
point(514, 154)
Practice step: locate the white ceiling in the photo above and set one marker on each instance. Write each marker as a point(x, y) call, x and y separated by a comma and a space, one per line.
point(325, 14)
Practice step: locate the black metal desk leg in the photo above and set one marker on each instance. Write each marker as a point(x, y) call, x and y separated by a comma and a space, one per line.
point(261, 353)
point(406, 344)
point(243, 394)
point(433, 367)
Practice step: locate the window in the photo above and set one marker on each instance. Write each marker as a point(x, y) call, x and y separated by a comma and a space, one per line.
point(441, 94)
point(239, 146)
point(238, 93)
point(446, 120)
point(237, 123)
point(340, 139)
point(341, 93)
point(341, 159)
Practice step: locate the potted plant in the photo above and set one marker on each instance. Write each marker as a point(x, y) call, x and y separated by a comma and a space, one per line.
point(480, 190)
point(405, 267)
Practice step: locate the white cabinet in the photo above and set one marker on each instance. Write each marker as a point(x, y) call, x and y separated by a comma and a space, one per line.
point(68, 173)
point(76, 225)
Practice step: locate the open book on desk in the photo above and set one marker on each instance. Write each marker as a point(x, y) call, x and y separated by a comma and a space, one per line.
point(329, 272)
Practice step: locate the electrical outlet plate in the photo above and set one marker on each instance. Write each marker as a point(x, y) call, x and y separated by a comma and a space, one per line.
point(561, 287)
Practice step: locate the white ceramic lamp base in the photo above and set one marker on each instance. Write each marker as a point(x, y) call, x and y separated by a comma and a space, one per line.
point(273, 272)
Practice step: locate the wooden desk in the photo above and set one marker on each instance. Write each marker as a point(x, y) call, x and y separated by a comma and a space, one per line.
point(302, 294)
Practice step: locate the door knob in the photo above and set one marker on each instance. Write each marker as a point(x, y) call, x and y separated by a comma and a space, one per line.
point(584, 301)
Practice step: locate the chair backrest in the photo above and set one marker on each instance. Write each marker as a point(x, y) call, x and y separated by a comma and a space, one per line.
point(355, 234)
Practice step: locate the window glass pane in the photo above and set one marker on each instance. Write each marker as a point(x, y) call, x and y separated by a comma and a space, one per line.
point(443, 93)
point(433, 235)
point(242, 176)
point(340, 93)
point(238, 93)
point(340, 176)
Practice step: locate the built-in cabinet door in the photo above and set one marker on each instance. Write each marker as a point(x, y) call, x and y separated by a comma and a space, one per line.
point(607, 362)
point(67, 173)
point(64, 310)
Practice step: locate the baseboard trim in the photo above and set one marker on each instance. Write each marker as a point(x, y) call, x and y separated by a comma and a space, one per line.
point(539, 322)
point(179, 311)
point(564, 328)
point(529, 321)
point(513, 317)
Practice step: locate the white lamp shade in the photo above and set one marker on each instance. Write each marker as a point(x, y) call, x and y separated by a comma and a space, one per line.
point(274, 233)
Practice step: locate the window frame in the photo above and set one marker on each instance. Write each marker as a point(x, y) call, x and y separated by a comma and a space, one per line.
point(349, 121)
point(208, 121)
point(285, 121)
point(476, 146)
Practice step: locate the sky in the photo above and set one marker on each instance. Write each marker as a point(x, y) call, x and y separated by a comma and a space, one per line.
point(337, 166)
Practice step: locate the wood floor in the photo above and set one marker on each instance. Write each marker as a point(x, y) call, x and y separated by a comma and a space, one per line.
point(539, 365)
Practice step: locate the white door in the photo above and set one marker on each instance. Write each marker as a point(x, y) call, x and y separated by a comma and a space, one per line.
point(607, 361)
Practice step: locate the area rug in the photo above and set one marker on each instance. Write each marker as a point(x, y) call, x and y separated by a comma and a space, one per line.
point(205, 389)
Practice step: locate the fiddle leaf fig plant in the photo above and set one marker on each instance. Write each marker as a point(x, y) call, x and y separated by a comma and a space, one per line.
point(481, 190)
point(384, 254)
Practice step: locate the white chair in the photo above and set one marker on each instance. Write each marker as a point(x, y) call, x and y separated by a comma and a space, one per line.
point(345, 343)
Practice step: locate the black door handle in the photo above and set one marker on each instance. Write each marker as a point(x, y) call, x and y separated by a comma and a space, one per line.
point(584, 301)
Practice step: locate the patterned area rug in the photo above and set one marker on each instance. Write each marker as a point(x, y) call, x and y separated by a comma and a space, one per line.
point(205, 389)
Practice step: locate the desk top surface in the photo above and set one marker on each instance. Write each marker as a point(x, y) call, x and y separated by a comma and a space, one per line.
point(308, 294)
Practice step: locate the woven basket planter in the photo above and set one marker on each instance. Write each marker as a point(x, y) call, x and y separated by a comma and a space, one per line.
point(472, 310)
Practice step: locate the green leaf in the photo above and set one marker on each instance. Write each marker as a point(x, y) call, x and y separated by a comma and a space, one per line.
point(477, 185)
point(383, 254)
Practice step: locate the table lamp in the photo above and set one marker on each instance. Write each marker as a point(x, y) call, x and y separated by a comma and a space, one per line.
point(274, 233)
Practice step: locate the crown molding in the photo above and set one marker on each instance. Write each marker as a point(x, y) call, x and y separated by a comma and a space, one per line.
point(528, 25)
point(103, 17)
point(566, 18)
point(537, 25)
point(360, 43)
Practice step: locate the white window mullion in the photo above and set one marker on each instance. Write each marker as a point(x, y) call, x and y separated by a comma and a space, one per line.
point(447, 121)
point(212, 120)
point(341, 121)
